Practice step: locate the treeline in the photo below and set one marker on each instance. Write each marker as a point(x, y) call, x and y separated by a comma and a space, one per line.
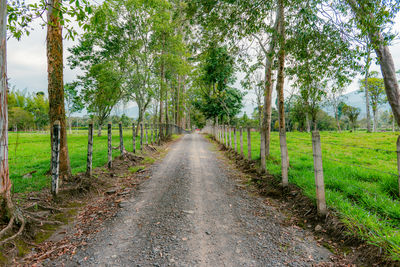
point(27, 111)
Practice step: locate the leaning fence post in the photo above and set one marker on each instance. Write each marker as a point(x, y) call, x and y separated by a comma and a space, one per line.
point(121, 139)
point(398, 160)
point(109, 129)
point(133, 138)
point(248, 143)
point(318, 173)
point(141, 137)
point(55, 158)
point(89, 151)
point(241, 141)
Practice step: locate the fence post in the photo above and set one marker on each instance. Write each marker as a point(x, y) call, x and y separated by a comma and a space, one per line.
point(262, 150)
point(89, 151)
point(230, 137)
point(284, 158)
point(248, 143)
point(318, 173)
point(398, 160)
point(55, 158)
point(146, 141)
point(241, 141)
point(133, 138)
point(226, 136)
point(234, 135)
point(152, 133)
point(121, 139)
point(141, 137)
point(109, 129)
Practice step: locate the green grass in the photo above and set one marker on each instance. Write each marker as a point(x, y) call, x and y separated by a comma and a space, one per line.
point(366, 198)
point(31, 152)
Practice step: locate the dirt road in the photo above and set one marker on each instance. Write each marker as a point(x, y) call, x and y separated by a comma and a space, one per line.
point(194, 212)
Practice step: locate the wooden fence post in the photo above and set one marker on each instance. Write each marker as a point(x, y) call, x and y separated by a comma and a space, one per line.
point(226, 136)
point(318, 173)
point(152, 133)
point(146, 141)
point(121, 139)
point(90, 151)
point(133, 138)
point(141, 137)
point(248, 143)
point(230, 138)
point(234, 136)
point(55, 158)
point(241, 141)
point(109, 154)
point(262, 151)
point(284, 158)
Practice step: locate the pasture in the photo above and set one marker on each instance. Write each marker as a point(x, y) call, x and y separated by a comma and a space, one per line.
point(360, 173)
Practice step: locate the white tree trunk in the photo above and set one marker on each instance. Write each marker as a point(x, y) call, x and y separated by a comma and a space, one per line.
point(5, 182)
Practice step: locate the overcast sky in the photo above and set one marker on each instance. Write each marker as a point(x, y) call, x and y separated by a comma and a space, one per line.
point(27, 65)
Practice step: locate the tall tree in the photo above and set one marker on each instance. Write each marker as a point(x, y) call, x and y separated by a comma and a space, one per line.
point(373, 19)
point(6, 205)
point(55, 67)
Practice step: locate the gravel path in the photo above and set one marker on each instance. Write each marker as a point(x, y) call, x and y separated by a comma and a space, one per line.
point(193, 212)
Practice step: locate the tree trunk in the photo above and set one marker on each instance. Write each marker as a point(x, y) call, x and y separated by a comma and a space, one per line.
point(337, 119)
point(279, 88)
point(384, 56)
point(99, 130)
point(374, 112)
point(6, 205)
point(308, 123)
point(266, 123)
point(366, 90)
point(392, 124)
point(55, 82)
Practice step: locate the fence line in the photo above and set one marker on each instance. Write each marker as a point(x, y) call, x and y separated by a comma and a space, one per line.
point(315, 142)
point(54, 152)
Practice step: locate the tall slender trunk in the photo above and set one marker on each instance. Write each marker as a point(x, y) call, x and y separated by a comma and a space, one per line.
point(308, 123)
point(337, 119)
point(392, 124)
point(55, 82)
point(279, 88)
point(6, 205)
point(266, 123)
point(367, 64)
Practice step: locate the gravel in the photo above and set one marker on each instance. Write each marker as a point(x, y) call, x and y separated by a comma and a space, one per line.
point(193, 212)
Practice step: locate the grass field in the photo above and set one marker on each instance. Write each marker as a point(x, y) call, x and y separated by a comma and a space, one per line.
point(361, 183)
point(31, 152)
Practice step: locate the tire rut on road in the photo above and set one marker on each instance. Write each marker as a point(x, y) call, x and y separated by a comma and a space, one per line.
point(191, 212)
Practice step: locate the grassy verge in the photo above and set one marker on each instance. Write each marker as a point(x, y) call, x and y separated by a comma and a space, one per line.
point(361, 184)
point(30, 152)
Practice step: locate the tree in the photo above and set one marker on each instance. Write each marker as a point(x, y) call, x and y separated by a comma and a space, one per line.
point(72, 100)
point(38, 106)
point(101, 91)
point(352, 114)
point(6, 204)
point(373, 20)
point(376, 89)
point(334, 99)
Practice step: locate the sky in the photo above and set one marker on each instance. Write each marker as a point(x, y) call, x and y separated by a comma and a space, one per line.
point(27, 65)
